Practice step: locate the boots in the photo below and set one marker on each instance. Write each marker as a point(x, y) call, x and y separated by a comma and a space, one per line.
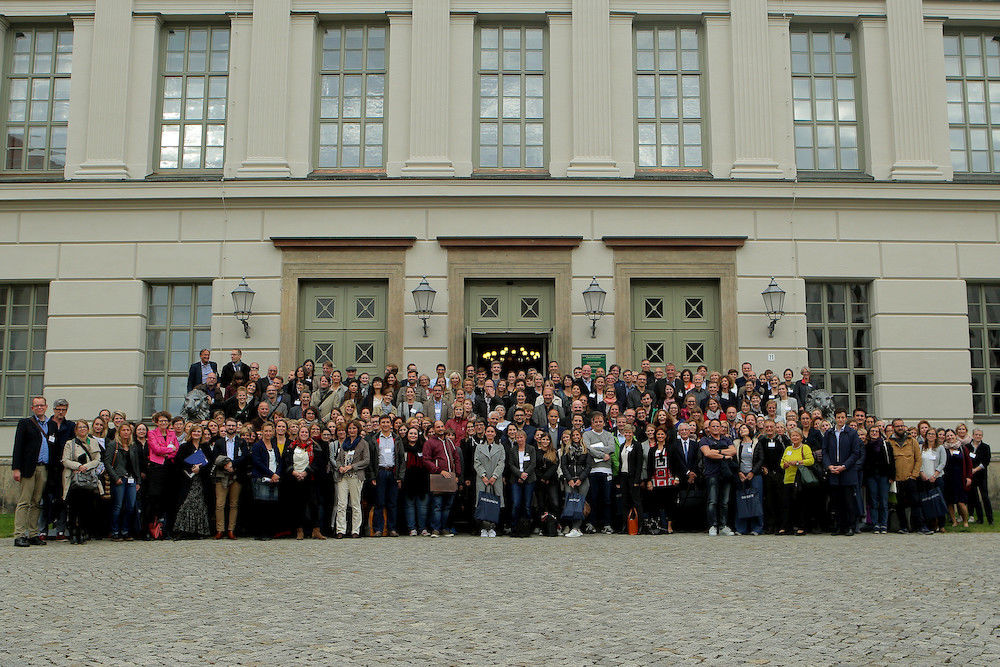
point(317, 535)
point(298, 534)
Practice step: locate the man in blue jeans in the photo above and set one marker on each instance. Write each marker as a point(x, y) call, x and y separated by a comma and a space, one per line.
point(442, 457)
point(389, 465)
point(718, 453)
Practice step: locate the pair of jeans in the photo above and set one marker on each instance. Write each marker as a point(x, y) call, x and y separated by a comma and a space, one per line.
point(386, 494)
point(717, 502)
point(441, 510)
point(878, 500)
point(415, 510)
point(123, 515)
point(521, 493)
point(600, 500)
point(753, 524)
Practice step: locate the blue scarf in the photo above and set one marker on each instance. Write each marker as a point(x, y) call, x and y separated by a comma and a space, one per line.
point(350, 445)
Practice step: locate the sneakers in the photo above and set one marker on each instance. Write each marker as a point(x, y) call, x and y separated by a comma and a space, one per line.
point(712, 531)
point(484, 533)
point(492, 533)
point(726, 531)
point(607, 531)
point(447, 533)
point(574, 533)
point(435, 533)
point(755, 533)
point(413, 533)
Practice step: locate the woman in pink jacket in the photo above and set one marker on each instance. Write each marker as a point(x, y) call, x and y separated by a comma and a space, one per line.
point(163, 448)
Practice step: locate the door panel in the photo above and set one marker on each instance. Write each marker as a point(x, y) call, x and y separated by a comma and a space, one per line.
point(344, 323)
point(675, 321)
point(509, 305)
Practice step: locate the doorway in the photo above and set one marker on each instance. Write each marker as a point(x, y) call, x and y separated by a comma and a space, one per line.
point(515, 352)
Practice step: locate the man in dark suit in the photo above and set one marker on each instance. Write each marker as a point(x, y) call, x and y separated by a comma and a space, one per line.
point(684, 456)
point(236, 450)
point(842, 458)
point(28, 464)
point(199, 370)
point(230, 370)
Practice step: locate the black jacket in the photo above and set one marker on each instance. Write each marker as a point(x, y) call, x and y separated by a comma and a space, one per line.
point(241, 455)
point(680, 465)
point(635, 463)
point(879, 459)
point(756, 461)
point(772, 454)
point(514, 464)
point(194, 374)
point(230, 370)
point(982, 459)
point(576, 467)
point(118, 462)
point(27, 443)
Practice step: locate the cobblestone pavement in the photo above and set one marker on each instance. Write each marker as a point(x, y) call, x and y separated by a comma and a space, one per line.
point(599, 599)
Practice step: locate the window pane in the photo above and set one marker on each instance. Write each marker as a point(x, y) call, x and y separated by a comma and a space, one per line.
point(23, 319)
point(670, 96)
point(357, 97)
point(36, 81)
point(973, 100)
point(194, 98)
point(172, 344)
point(824, 101)
point(512, 88)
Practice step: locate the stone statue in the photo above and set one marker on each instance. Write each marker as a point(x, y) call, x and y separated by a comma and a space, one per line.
point(197, 406)
point(820, 399)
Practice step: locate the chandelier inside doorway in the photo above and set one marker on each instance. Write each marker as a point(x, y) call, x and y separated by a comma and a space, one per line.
point(507, 354)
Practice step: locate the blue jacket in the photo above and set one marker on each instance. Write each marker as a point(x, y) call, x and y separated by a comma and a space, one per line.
point(259, 462)
point(849, 454)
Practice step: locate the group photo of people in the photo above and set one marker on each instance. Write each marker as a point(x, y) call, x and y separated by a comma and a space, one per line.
point(318, 452)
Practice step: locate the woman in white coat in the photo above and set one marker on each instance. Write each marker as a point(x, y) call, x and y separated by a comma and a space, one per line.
point(80, 455)
point(488, 462)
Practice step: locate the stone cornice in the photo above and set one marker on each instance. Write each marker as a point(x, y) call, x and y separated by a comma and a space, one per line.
point(688, 242)
point(340, 243)
point(21, 194)
point(535, 242)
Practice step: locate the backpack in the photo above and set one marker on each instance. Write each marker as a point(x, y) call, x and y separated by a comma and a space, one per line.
point(550, 526)
point(522, 528)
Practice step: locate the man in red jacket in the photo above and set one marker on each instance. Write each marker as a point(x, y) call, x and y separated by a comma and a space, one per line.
point(442, 456)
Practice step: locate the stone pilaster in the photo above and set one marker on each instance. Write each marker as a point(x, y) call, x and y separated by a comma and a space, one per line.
point(751, 72)
point(592, 90)
point(429, 69)
point(267, 151)
point(104, 156)
point(910, 104)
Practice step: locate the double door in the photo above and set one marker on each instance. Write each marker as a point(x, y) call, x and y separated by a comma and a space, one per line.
point(675, 321)
point(343, 323)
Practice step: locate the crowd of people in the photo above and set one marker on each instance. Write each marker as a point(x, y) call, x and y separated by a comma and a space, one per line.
point(320, 453)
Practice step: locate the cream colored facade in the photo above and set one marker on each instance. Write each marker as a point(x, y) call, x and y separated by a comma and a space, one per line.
point(106, 229)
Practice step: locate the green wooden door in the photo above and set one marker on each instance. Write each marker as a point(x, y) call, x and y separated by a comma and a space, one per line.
point(509, 305)
point(343, 323)
point(675, 321)
point(517, 308)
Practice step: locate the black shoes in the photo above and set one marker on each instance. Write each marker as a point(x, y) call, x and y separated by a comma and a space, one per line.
point(21, 542)
point(36, 541)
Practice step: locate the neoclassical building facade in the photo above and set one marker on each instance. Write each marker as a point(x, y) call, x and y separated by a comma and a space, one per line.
point(512, 152)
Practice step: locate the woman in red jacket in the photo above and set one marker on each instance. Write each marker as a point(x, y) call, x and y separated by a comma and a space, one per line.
point(163, 447)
